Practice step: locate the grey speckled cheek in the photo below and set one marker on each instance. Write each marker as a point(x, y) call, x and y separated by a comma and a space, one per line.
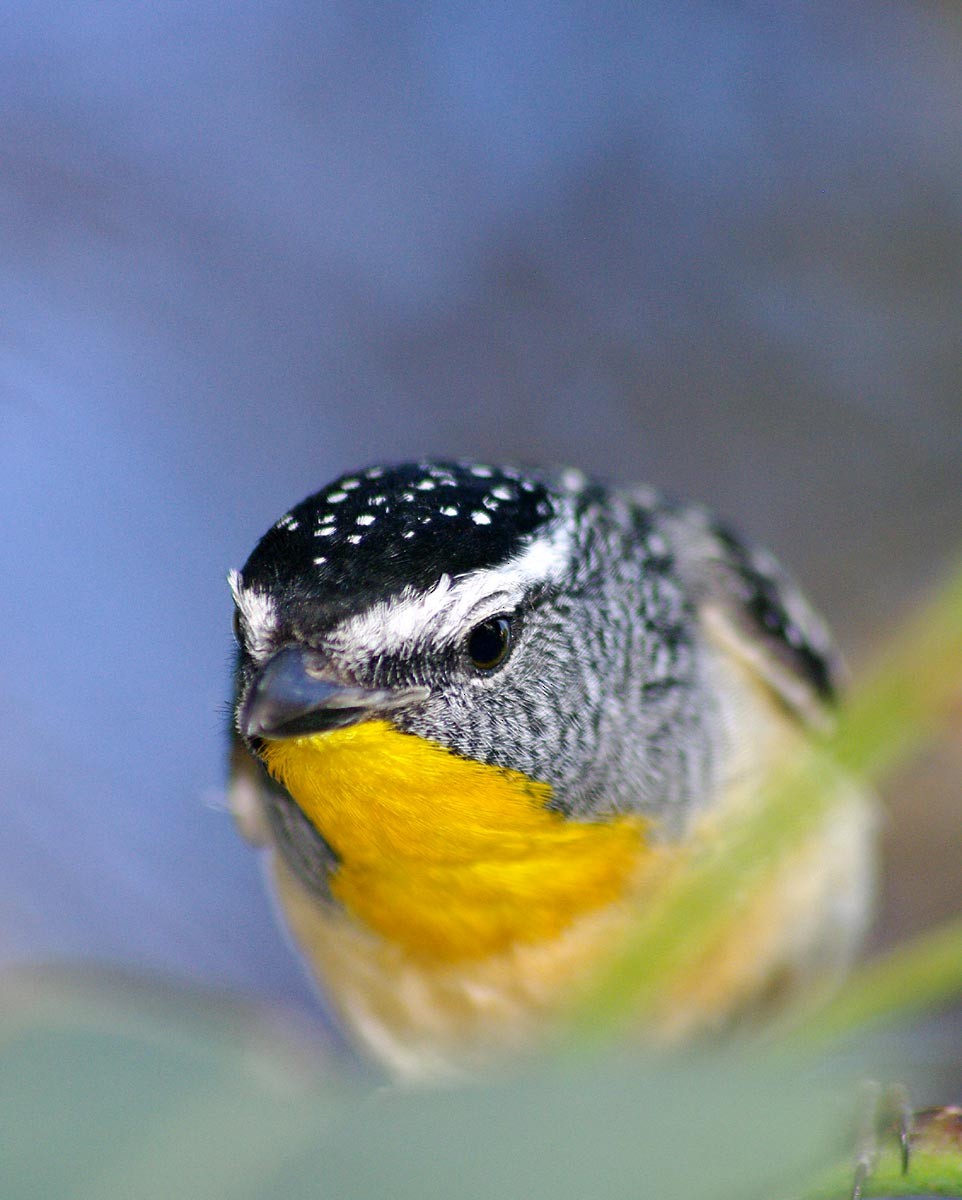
point(602, 698)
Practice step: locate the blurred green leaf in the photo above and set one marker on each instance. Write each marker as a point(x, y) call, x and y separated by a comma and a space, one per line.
point(112, 1092)
point(917, 975)
point(174, 1105)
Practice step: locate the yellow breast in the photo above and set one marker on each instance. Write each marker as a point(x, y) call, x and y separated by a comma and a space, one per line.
point(449, 858)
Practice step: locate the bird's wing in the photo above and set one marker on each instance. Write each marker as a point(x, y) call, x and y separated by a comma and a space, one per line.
point(752, 605)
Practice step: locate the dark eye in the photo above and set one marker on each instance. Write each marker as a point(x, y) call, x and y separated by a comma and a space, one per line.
point(488, 643)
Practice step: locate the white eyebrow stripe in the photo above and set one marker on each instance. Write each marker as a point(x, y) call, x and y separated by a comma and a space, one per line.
point(443, 613)
point(258, 612)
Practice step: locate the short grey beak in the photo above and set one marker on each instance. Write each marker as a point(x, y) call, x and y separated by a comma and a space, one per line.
point(290, 697)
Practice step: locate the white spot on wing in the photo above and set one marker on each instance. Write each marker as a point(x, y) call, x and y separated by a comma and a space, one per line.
point(449, 511)
point(366, 519)
point(480, 518)
point(335, 497)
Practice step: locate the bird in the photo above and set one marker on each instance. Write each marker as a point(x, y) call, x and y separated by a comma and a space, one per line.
point(478, 708)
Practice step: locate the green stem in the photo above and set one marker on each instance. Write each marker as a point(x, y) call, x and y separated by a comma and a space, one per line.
point(909, 979)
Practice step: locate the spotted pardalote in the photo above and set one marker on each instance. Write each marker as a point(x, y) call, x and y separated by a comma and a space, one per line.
point(476, 710)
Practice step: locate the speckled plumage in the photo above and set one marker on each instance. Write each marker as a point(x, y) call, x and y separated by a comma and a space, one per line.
point(656, 662)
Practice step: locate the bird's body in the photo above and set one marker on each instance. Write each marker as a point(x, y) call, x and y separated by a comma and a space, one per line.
point(481, 712)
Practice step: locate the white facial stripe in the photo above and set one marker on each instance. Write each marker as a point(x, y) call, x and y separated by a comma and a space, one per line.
point(444, 613)
point(258, 613)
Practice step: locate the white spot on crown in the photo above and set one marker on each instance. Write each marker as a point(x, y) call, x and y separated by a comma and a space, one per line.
point(572, 480)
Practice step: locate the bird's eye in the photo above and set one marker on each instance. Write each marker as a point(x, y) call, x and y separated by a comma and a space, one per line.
point(488, 643)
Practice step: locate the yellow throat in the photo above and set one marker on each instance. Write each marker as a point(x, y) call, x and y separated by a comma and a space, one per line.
point(447, 857)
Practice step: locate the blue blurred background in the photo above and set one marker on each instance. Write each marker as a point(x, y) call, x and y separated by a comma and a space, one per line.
point(245, 247)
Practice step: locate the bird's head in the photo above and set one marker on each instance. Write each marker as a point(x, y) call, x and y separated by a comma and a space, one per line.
point(519, 619)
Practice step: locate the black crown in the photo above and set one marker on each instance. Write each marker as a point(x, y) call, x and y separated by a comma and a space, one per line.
point(370, 534)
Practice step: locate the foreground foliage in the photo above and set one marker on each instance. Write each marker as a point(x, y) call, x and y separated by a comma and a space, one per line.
point(108, 1091)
